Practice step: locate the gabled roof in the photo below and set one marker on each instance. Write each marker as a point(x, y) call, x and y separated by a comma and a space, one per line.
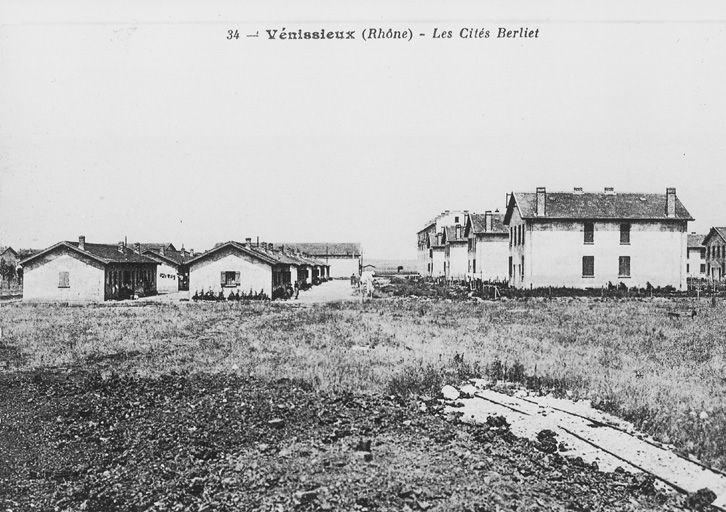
point(596, 205)
point(250, 251)
point(476, 223)
point(156, 246)
point(715, 231)
point(695, 240)
point(170, 256)
point(103, 253)
point(325, 248)
point(3, 250)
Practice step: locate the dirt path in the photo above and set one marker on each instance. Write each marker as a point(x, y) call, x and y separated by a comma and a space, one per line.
point(330, 291)
point(592, 435)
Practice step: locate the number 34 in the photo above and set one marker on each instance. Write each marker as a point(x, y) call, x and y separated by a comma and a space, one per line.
point(233, 34)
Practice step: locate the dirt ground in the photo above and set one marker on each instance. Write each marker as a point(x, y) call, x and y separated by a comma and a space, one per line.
point(75, 440)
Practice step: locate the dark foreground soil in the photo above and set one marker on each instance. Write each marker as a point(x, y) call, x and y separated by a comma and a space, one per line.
point(76, 441)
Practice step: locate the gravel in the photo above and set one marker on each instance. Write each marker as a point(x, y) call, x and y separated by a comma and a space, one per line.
point(74, 440)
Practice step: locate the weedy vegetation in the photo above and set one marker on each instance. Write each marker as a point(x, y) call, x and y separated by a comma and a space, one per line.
point(665, 373)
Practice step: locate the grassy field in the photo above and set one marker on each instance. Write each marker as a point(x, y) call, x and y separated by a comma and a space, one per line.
point(667, 375)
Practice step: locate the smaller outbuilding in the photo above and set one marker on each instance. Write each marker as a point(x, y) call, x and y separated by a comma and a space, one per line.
point(172, 273)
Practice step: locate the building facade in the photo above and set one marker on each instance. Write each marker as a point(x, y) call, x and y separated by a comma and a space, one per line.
point(715, 243)
point(425, 264)
point(455, 253)
point(696, 257)
point(589, 240)
point(80, 271)
point(172, 273)
point(488, 247)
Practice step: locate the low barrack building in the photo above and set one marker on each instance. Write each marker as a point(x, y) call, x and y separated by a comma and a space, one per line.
point(340, 259)
point(172, 273)
point(590, 240)
point(81, 271)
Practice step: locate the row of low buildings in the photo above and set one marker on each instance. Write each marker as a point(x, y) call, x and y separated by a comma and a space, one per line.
point(83, 271)
point(574, 239)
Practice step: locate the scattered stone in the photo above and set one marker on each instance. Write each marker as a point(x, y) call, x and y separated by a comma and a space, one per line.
point(450, 392)
point(305, 497)
point(364, 445)
point(276, 423)
point(700, 499)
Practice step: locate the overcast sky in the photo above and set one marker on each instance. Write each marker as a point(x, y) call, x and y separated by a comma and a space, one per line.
point(142, 120)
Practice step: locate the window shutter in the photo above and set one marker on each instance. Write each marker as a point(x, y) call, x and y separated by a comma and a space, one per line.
point(221, 278)
point(236, 278)
point(63, 280)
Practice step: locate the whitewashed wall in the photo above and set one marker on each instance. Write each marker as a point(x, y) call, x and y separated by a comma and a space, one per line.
point(695, 259)
point(255, 275)
point(438, 261)
point(553, 254)
point(457, 261)
point(167, 280)
point(492, 258)
point(85, 277)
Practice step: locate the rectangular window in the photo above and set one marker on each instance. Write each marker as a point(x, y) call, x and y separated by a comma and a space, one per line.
point(588, 266)
point(229, 278)
point(510, 267)
point(624, 234)
point(522, 234)
point(703, 268)
point(474, 266)
point(624, 266)
point(589, 233)
point(688, 267)
point(64, 280)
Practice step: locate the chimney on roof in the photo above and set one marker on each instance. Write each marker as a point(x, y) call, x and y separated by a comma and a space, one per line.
point(671, 202)
point(191, 252)
point(137, 247)
point(264, 245)
point(509, 195)
point(161, 250)
point(488, 221)
point(270, 246)
point(540, 205)
point(121, 246)
point(578, 190)
point(248, 242)
point(609, 190)
point(82, 243)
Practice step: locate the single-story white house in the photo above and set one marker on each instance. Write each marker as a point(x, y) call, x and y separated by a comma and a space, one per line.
point(336, 260)
point(81, 271)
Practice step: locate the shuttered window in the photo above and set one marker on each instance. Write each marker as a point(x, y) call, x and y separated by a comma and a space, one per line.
point(624, 234)
point(589, 233)
point(588, 266)
point(624, 266)
point(64, 280)
point(229, 278)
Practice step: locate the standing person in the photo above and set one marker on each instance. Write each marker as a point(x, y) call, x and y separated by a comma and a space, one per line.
point(297, 289)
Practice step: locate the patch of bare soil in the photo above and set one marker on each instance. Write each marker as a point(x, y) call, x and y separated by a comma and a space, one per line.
point(76, 441)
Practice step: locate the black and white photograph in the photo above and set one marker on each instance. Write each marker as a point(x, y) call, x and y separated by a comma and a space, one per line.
point(362, 256)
